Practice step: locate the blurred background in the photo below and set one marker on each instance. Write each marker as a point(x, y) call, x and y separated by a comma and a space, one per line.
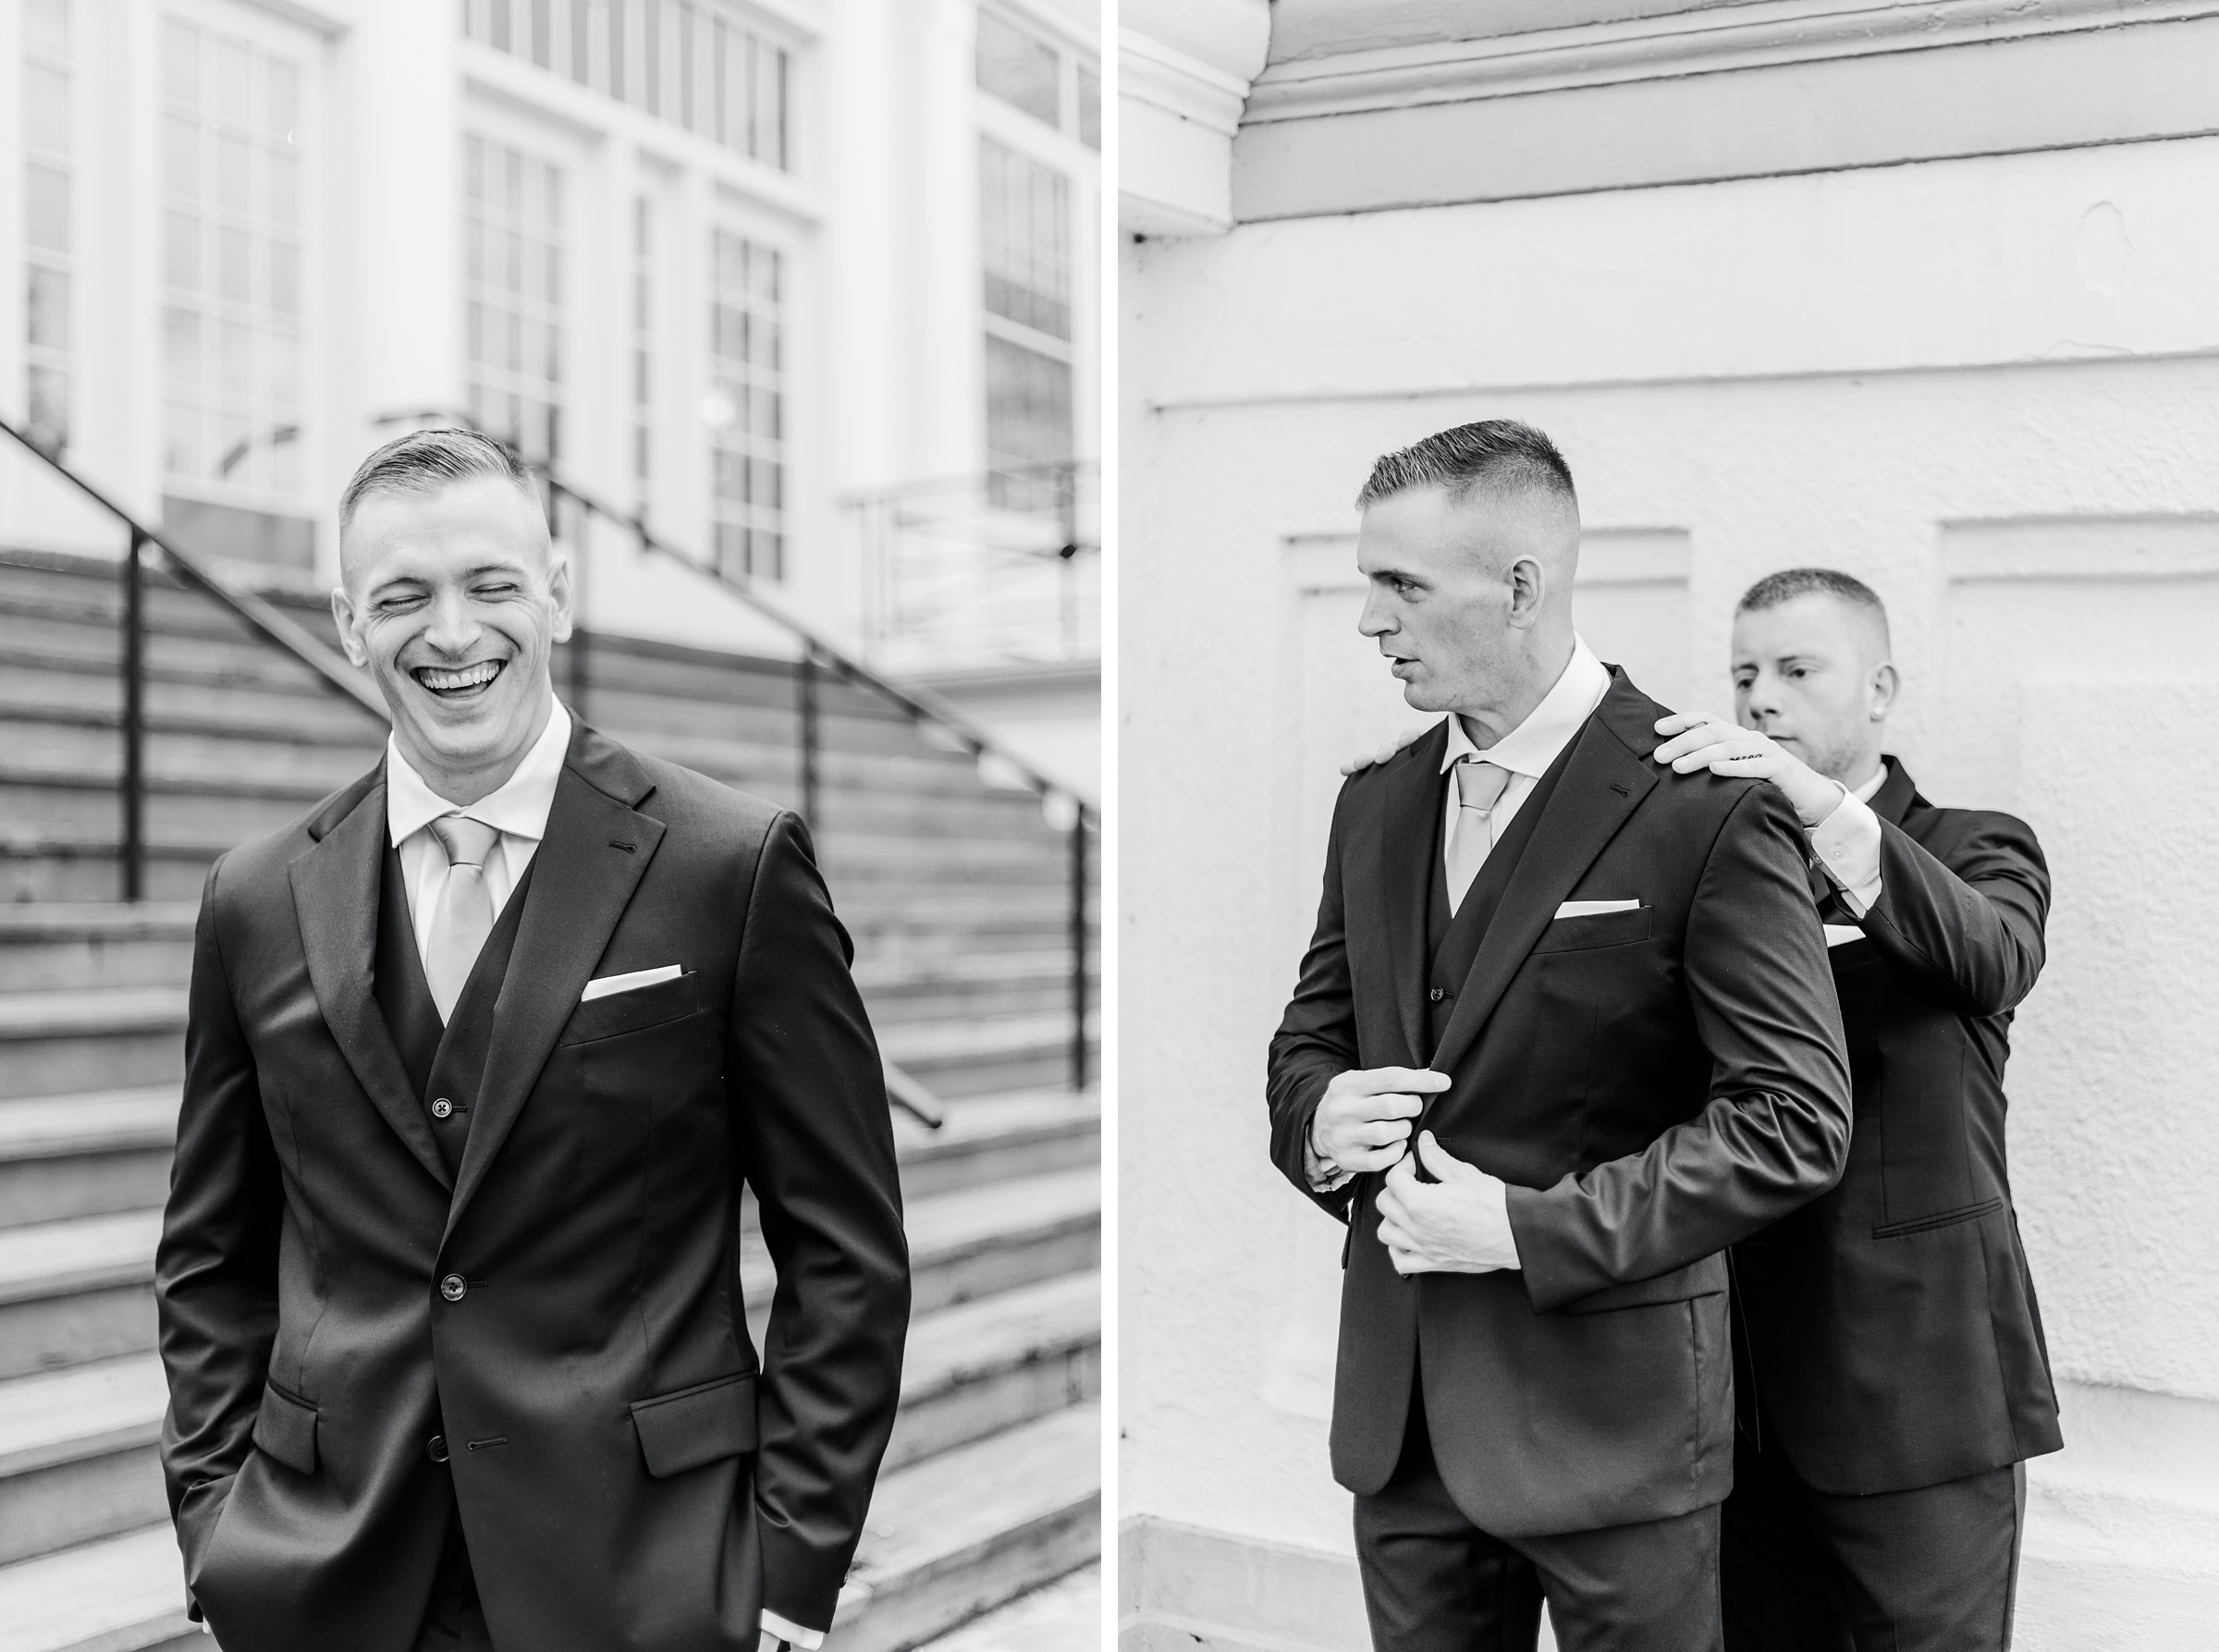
point(794, 306)
point(1923, 289)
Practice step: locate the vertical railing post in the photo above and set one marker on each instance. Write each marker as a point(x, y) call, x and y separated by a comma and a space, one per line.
point(805, 708)
point(134, 720)
point(1078, 949)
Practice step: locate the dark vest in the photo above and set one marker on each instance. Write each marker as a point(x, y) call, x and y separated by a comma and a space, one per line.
point(445, 1062)
point(1453, 943)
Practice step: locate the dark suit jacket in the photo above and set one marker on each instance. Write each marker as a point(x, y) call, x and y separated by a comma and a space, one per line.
point(1892, 1324)
point(1653, 1084)
point(628, 1475)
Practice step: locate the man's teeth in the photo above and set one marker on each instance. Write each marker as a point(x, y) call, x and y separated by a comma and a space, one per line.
point(469, 676)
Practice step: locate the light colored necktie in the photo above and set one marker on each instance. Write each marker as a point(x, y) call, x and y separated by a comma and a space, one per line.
point(464, 916)
point(1480, 785)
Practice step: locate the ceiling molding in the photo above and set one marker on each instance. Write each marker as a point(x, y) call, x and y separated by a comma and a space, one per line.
point(1717, 41)
point(1182, 85)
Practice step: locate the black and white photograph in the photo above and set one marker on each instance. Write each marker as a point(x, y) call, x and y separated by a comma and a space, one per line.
point(1668, 600)
point(550, 821)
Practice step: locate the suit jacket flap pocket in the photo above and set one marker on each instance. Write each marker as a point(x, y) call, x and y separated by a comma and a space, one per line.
point(635, 1011)
point(1703, 1278)
point(285, 1428)
point(1594, 929)
point(695, 1426)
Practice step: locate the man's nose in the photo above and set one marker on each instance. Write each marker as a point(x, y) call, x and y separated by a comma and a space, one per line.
point(1375, 621)
point(452, 628)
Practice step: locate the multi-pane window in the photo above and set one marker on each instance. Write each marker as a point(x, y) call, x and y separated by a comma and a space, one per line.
point(1024, 225)
point(745, 406)
point(1054, 86)
point(232, 262)
point(49, 272)
point(690, 62)
point(513, 295)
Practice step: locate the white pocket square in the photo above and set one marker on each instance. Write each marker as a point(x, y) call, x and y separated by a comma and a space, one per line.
point(1589, 909)
point(631, 983)
point(1841, 935)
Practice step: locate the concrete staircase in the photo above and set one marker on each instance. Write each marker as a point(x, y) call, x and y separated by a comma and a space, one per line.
point(957, 894)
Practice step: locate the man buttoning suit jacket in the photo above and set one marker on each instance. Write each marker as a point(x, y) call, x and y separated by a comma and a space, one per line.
point(481, 1053)
point(1594, 1002)
point(1897, 1373)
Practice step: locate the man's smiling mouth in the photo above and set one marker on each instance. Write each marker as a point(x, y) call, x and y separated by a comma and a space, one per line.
point(459, 683)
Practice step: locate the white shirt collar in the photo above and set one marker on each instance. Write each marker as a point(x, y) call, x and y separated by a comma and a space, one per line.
point(1549, 728)
point(1870, 788)
point(517, 807)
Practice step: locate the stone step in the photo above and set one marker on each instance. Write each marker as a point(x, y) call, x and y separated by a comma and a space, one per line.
point(123, 1594)
point(969, 1058)
point(91, 1154)
point(1064, 1616)
point(976, 1241)
point(77, 1289)
point(45, 946)
point(960, 1533)
point(77, 1457)
point(979, 1367)
point(999, 1138)
point(90, 1038)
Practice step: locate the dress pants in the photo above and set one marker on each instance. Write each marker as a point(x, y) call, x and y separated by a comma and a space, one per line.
point(1933, 1569)
point(1433, 1582)
point(453, 1622)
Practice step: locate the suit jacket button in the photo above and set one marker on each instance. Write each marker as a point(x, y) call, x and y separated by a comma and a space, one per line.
point(442, 1107)
point(435, 1449)
point(1438, 994)
point(454, 1288)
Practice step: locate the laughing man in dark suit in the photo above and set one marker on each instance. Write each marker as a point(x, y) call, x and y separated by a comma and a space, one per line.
point(481, 1053)
point(1895, 1379)
point(1592, 1002)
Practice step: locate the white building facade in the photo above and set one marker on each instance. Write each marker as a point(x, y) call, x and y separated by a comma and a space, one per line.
point(1927, 292)
point(744, 270)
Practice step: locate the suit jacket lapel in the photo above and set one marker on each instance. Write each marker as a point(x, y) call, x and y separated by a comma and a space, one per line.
point(1897, 794)
point(335, 895)
point(1408, 801)
point(1600, 787)
point(586, 868)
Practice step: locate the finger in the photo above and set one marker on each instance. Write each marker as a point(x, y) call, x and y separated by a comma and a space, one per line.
point(1394, 1105)
point(1377, 1081)
point(1383, 1133)
point(1679, 722)
point(1710, 756)
point(1439, 1159)
point(1742, 762)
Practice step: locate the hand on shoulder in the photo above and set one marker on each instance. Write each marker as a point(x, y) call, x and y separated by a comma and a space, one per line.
point(1698, 740)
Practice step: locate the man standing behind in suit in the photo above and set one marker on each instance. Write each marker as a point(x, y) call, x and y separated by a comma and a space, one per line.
point(481, 1052)
point(1888, 1330)
point(1596, 1002)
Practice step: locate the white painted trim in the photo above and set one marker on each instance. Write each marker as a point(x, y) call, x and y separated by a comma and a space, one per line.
point(1765, 35)
point(322, 18)
point(1151, 72)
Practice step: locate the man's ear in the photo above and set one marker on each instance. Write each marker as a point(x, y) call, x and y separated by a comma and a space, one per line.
point(1886, 682)
point(559, 592)
point(1528, 583)
point(342, 615)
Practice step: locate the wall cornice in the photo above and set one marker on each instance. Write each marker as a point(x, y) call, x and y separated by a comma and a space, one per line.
point(1179, 84)
point(1773, 34)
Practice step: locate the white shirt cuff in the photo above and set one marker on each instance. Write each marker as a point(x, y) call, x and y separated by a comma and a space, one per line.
point(1323, 1178)
point(1847, 844)
point(777, 1628)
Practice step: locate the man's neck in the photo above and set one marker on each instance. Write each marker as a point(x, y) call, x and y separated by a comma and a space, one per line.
point(464, 786)
point(1858, 771)
point(1487, 724)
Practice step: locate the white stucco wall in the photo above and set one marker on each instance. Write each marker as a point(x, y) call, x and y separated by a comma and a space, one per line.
point(1991, 389)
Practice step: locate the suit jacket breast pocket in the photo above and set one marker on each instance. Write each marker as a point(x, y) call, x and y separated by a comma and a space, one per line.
point(1595, 929)
point(635, 1011)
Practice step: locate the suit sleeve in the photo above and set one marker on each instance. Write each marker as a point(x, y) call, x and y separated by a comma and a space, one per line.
point(216, 1268)
point(1317, 1038)
point(809, 1094)
point(1774, 1132)
point(1971, 930)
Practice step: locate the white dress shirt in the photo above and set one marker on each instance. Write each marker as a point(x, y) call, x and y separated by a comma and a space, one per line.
point(1845, 845)
point(1526, 752)
point(517, 809)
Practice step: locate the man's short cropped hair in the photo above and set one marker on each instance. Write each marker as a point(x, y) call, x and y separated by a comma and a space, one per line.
point(1791, 582)
point(1490, 453)
point(424, 461)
